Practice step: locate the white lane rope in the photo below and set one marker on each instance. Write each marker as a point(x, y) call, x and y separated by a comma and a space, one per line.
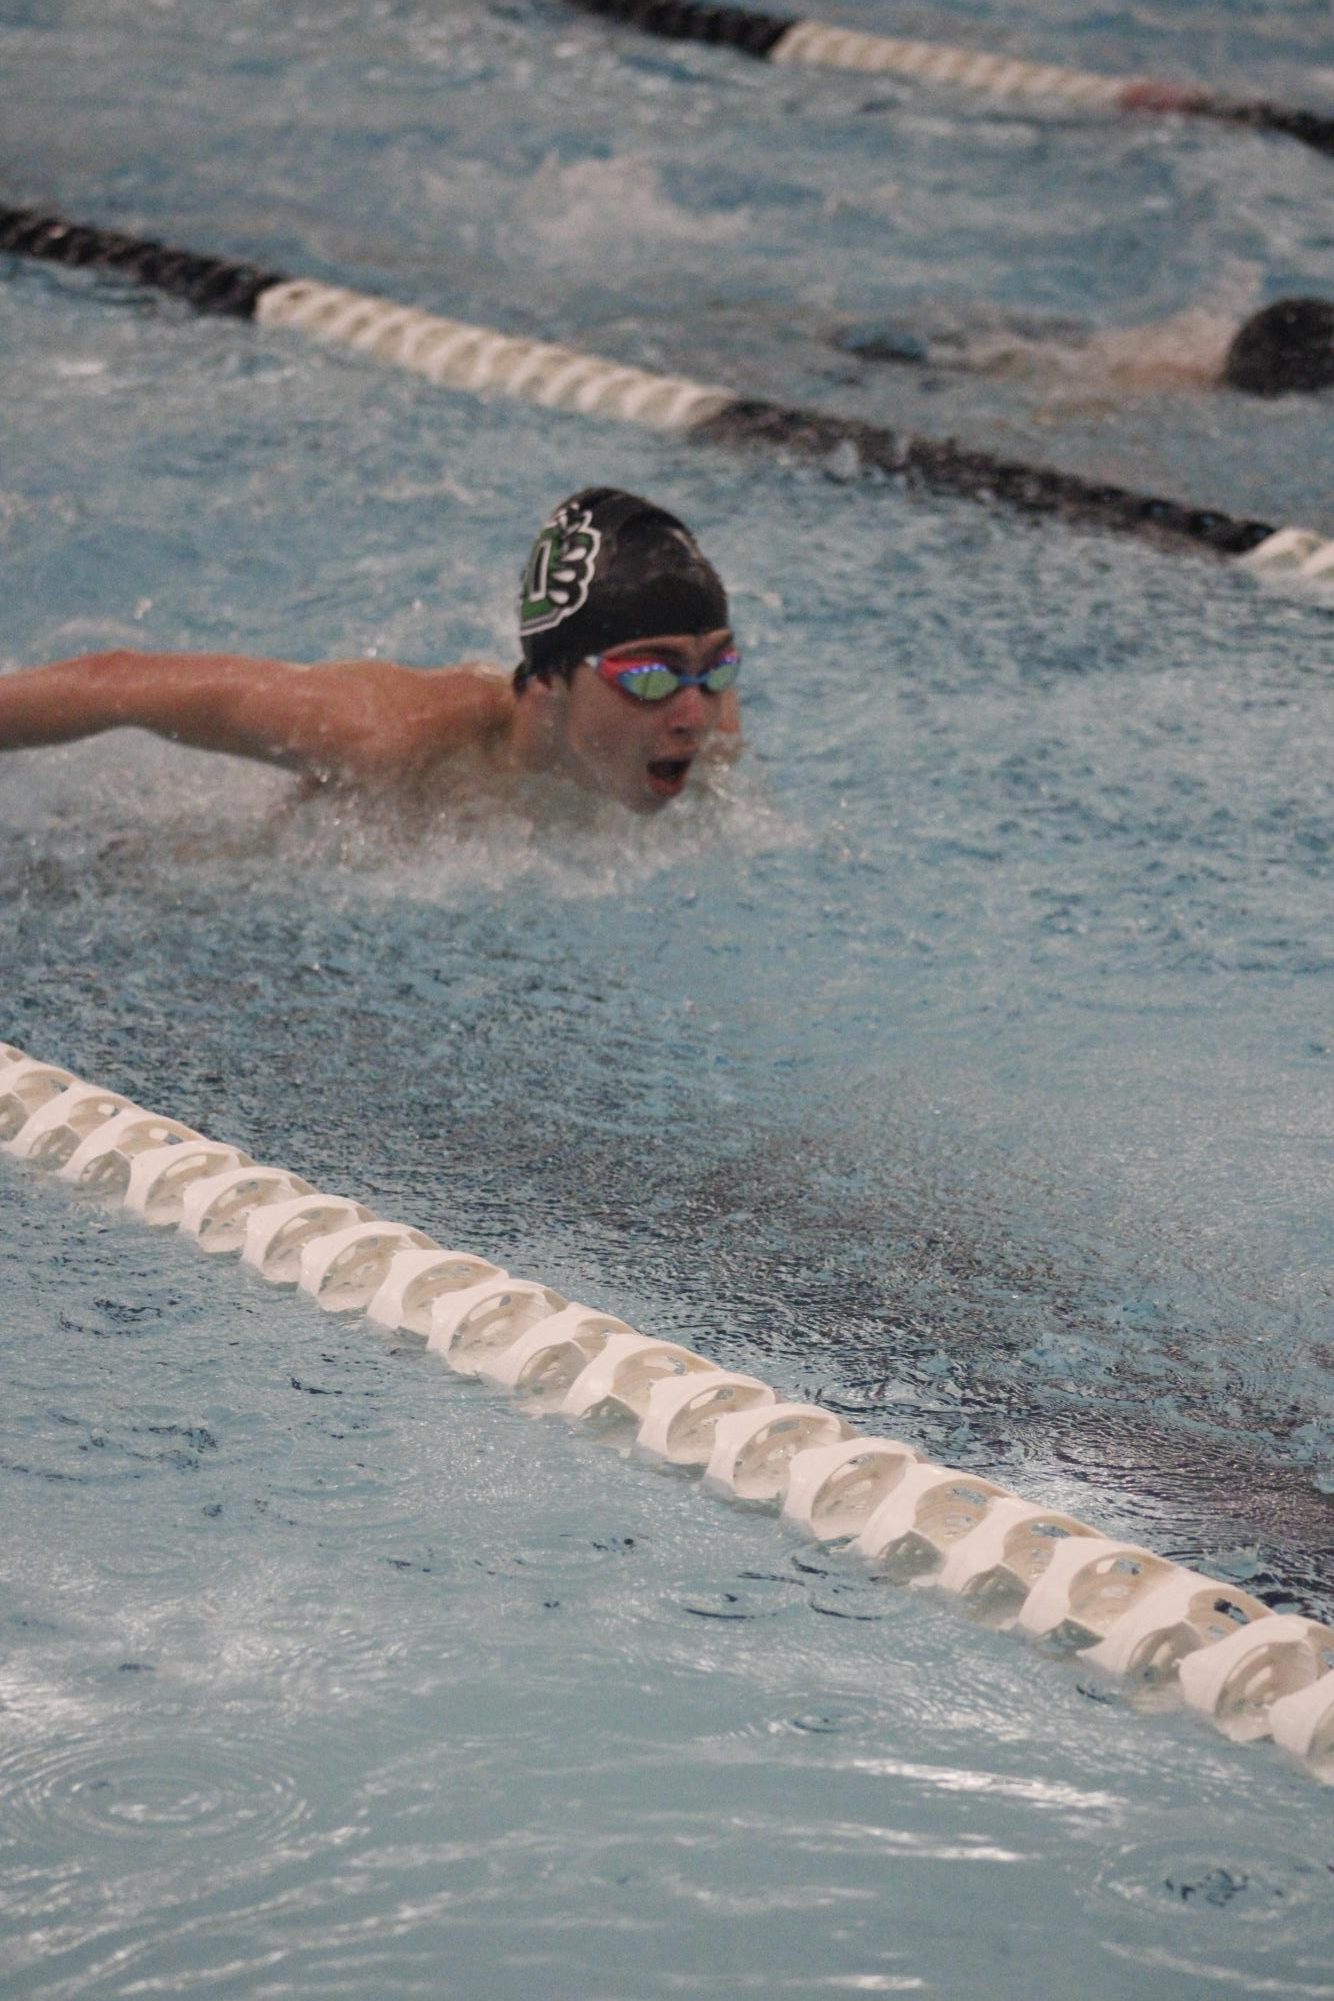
point(455, 355)
point(780, 38)
point(1014, 1563)
point(451, 354)
point(828, 47)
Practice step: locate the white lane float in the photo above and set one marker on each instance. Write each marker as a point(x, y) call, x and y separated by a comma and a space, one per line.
point(753, 1449)
point(344, 1269)
point(101, 1162)
point(545, 1361)
point(995, 1565)
point(681, 1413)
point(1183, 1611)
point(55, 1130)
point(475, 1325)
point(276, 1235)
point(615, 1385)
point(1303, 1723)
point(159, 1177)
point(25, 1086)
point(216, 1208)
point(1035, 1569)
point(1238, 1680)
point(1088, 1585)
point(833, 1490)
point(910, 1533)
point(414, 1279)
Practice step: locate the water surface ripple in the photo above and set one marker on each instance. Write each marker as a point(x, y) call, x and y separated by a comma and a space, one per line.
point(962, 1058)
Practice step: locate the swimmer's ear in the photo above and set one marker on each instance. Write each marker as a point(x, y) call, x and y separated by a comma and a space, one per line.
point(544, 713)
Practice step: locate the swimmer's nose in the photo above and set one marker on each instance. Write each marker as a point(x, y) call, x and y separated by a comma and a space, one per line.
point(690, 713)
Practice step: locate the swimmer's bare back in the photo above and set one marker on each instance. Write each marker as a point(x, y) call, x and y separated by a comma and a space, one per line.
point(1183, 353)
point(361, 722)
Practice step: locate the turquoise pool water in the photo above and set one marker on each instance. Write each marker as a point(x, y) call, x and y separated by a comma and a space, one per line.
point(962, 1058)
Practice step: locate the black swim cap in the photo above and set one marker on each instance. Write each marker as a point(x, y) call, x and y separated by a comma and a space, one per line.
point(608, 567)
point(1287, 348)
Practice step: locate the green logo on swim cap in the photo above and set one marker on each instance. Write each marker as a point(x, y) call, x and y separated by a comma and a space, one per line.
point(560, 570)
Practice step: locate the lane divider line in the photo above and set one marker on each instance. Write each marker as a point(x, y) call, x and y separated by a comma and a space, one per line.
point(785, 38)
point(1011, 1562)
point(453, 354)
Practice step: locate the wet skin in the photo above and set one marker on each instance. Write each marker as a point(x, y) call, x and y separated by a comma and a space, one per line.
point(640, 753)
point(371, 725)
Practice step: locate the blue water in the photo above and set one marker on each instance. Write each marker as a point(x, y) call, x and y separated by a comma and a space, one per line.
point(963, 1058)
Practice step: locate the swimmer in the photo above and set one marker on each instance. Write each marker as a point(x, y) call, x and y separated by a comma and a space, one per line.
point(1286, 349)
point(627, 676)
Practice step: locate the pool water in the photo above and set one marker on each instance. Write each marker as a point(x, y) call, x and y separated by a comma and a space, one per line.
point(963, 1057)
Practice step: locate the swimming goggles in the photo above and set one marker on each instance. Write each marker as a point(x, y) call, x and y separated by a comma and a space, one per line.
point(650, 680)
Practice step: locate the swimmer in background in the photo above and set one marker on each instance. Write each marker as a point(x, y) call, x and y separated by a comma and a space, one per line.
point(1285, 349)
point(627, 677)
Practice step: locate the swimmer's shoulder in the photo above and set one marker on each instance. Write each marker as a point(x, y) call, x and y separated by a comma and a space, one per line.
point(467, 706)
point(484, 682)
point(396, 722)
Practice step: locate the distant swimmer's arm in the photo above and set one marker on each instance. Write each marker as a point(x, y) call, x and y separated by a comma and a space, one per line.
point(354, 719)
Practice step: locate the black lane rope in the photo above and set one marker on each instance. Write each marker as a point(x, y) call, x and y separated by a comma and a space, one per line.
point(209, 284)
point(456, 355)
point(944, 466)
point(786, 38)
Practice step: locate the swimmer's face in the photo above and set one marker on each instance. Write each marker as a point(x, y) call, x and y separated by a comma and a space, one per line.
point(634, 751)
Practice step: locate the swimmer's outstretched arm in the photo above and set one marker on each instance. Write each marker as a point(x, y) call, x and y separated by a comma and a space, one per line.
point(356, 719)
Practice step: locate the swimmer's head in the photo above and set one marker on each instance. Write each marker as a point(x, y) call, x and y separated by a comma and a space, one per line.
point(1284, 350)
point(609, 567)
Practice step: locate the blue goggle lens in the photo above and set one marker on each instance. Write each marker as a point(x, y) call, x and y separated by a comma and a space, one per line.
point(654, 680)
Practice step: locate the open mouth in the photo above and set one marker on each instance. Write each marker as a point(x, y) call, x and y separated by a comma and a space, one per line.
point(668, 774)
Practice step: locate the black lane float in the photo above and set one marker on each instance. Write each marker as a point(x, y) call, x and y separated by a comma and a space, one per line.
point(455, 355)
point(786, 38)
